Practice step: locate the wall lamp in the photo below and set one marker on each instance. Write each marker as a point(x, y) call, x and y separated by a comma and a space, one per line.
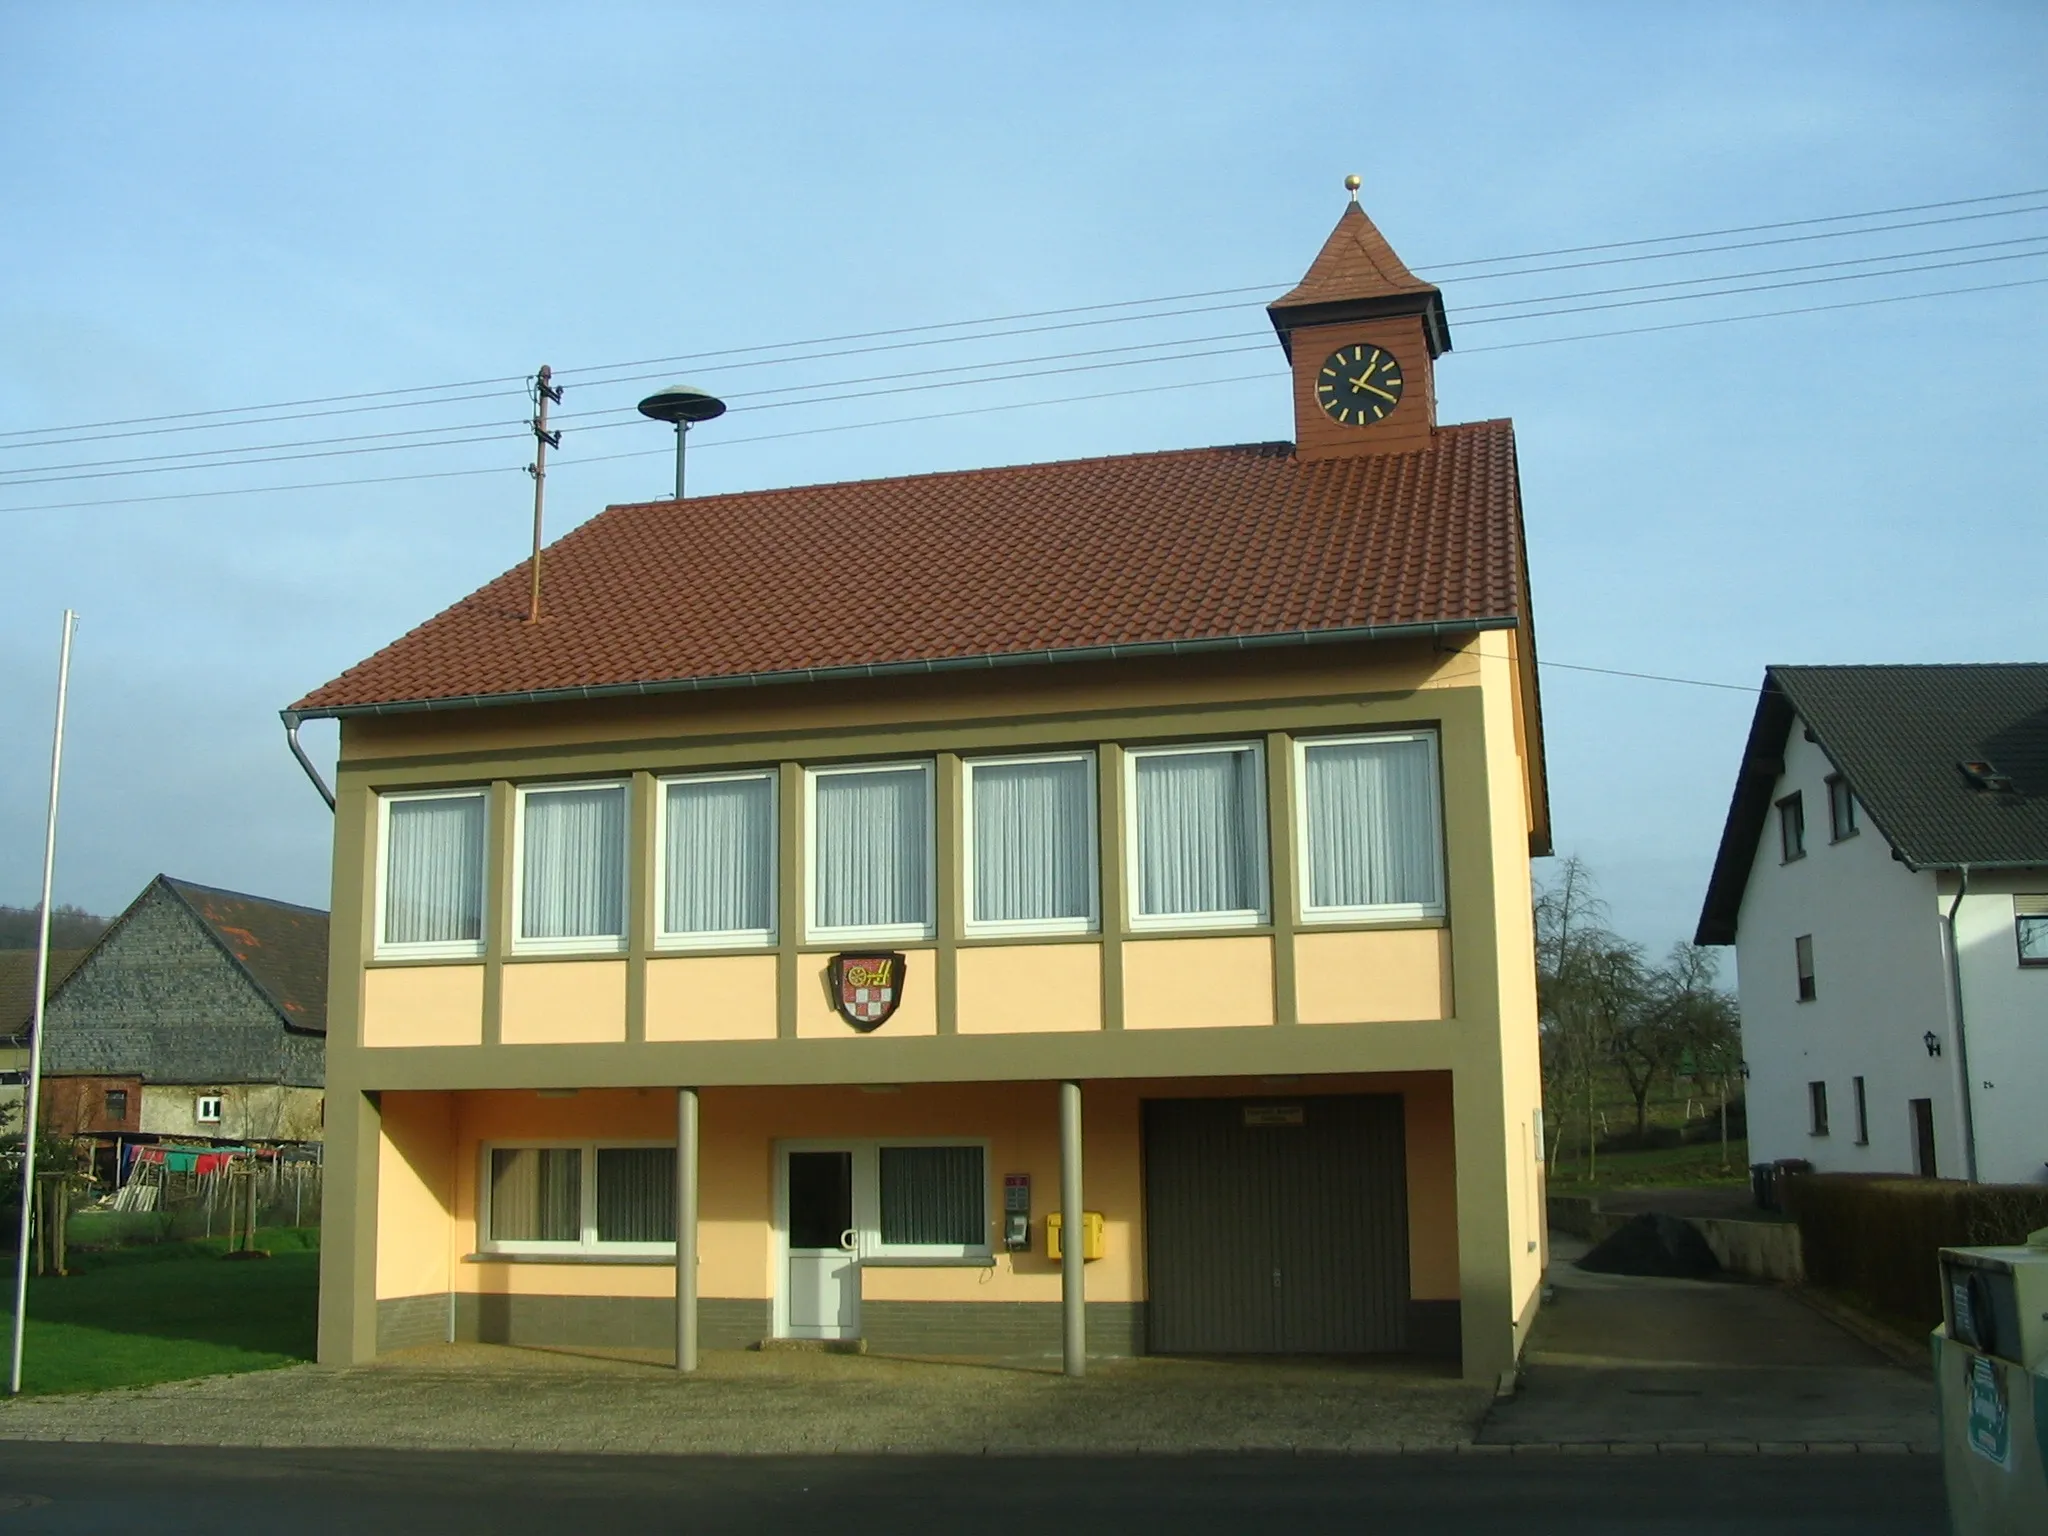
point(1933, 1043)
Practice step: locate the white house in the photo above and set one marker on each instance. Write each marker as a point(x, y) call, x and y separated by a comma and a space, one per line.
point(1883, 876)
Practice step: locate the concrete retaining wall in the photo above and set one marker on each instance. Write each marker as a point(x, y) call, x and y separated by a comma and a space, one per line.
point(1766, 1250)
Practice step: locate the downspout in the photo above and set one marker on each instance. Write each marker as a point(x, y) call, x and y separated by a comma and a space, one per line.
point(1955, 989)
point(291, 736)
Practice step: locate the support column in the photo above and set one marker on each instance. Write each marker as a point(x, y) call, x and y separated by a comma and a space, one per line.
point(348, 1227)
point(686, 1229)
point(1073, 1282)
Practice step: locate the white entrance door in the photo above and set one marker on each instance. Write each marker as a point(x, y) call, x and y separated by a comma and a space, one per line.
point(822, 1295)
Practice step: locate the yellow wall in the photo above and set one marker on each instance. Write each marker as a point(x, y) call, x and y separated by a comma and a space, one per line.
point(564, 1002)
point(1198, 983)
point(416, 1180)
point(1027, 988)
point(711, 997)
point(1384, 977)
point(423, 1005)
point(433, 1160)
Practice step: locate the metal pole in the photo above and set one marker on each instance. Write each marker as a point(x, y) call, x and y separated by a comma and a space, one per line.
point(32, 1090)
point(686, 1229)
point(543, 440)
point(682, 440)
point(1073, 1285)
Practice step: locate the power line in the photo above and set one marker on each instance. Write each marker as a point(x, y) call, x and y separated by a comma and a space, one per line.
point(1012, 405)
point(513, 379)
point(812, 394)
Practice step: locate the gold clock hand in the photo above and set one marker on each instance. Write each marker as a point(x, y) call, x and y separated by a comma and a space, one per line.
point(1383, 394)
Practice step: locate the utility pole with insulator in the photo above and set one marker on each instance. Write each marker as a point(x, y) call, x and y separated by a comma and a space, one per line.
point(544, 394)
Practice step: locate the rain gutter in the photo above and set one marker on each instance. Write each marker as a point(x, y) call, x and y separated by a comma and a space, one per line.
point(1289, 639)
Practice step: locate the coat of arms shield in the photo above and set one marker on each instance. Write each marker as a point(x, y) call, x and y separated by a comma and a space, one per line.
point(866, 987)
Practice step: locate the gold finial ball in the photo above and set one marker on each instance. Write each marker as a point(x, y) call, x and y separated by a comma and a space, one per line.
point(1351, 185)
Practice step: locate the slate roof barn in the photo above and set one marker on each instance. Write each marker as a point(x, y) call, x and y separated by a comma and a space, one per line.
point(195, 985)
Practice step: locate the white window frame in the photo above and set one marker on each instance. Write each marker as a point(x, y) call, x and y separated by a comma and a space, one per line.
point(889, 931)
point(602, 944)
point(588, 1242)
point(1262, 878)
point(439, 949)
point(869, 1249)
point(199, 1113)
point(1090, 923)
point(733, 938)
point(1389, 911)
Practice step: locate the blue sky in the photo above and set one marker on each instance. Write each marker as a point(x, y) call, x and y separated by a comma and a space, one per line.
point(218, 206)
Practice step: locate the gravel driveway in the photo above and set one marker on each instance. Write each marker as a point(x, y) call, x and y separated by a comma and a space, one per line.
point(488, 1397)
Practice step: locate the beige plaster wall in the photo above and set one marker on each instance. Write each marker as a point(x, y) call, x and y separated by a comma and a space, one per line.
point(423, 1005)
point(564, 1002)
point(415, 1194)
point(1010, 989)
point(711, 997)
point(1373, 977)
point(1198, 983)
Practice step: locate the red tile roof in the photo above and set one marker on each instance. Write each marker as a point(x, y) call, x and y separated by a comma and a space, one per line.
point(1355, 263)
point(1147, 549)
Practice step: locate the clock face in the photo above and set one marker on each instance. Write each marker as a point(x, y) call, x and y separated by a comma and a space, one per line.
point(1359, 385)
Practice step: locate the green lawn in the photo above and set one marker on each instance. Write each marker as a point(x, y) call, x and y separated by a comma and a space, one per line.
point(1698, 1164)
point(129, 1317)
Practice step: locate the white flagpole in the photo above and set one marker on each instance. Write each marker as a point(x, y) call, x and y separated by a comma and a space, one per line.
point(32, 1090)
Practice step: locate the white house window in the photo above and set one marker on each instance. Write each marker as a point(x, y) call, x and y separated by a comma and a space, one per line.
point(1197, 835)
point(716, 843)
point(1030, 848)
point(1841, 809)
point(1370, 830)
point(871, 851)
point(572, 867)
point(1802, 960)
point(207, 1109)
point(430, 893)
point(2030, 928)
point(1861, 1100)
point(1792, 828)
point(1817, 1109)
point(580, 1197)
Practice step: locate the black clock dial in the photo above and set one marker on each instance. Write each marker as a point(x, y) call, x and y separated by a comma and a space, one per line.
point(1359, 385)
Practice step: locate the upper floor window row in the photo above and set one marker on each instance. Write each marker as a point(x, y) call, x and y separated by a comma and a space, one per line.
point(1368, 841)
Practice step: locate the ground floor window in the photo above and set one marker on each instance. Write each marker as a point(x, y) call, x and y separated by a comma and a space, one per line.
point(571, 1197)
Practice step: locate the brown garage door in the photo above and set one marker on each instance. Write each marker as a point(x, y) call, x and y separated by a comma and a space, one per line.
point(1276, 1226)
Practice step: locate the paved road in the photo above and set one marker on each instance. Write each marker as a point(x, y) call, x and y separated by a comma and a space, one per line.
point(1624, 1360)
point(161, 1491)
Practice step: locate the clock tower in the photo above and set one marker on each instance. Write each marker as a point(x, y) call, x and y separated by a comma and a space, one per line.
point(1363, 334)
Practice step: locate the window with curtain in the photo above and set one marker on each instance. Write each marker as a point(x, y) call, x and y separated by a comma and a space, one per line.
point(933, 1197)
point(589, 1196)
point(1198, 834)
point(536, 1195)
point(718, 858)
point(1031, 843)
point(572, 875)
point(636, 1194)
point(1371, 832)
point(871, 851)
point(433, 898)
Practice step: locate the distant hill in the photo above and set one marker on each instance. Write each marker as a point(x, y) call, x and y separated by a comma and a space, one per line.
point(70, 927)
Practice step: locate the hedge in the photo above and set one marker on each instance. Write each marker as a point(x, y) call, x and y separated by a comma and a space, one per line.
point(1880, 1235)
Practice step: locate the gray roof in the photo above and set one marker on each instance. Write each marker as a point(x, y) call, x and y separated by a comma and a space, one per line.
point(1900, 736)
point(196, 985)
